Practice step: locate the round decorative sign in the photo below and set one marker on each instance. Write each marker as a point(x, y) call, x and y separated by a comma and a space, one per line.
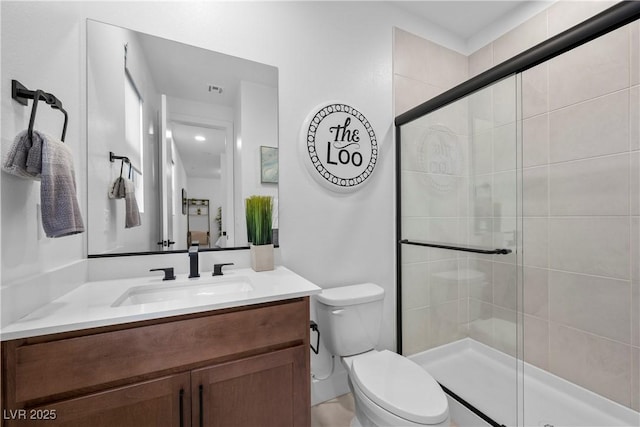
point(339, 146)
point(440, 155)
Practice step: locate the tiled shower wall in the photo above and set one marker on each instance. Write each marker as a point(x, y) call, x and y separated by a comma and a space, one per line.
point(581, 232)
point(580, 237)
point(434, 306)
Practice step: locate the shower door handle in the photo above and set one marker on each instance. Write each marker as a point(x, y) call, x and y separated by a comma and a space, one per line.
point(457, 248)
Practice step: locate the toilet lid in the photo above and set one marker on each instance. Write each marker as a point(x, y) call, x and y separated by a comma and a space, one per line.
point(400, 386)
point(351, 295)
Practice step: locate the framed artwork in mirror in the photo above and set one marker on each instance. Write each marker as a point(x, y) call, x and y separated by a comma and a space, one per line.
point(268, 164)
point(184, 202)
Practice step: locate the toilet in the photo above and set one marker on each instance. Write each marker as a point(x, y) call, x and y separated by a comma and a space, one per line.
point(388, 389)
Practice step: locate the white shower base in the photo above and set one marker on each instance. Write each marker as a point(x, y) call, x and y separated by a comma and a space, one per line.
point(486, 378)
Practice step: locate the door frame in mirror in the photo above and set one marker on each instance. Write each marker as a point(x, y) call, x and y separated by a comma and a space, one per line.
point(227, 128)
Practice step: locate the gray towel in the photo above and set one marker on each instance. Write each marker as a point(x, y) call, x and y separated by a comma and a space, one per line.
point(50, 160)
point(25, 156)
point(58, 198)
point(118, 189)
point(132, 218)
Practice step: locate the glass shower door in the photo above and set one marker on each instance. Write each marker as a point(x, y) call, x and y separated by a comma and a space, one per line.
point(458, 232)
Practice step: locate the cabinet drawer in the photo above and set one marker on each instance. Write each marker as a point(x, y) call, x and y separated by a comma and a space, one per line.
point(65, 365)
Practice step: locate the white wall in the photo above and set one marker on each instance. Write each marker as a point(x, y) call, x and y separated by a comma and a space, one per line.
point(323, 50)
point(179, 220)
point(257, 126)
point(259, 109)
point(25, 249)
point(106, 132)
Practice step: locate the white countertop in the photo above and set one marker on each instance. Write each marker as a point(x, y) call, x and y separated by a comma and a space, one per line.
point(91, 304)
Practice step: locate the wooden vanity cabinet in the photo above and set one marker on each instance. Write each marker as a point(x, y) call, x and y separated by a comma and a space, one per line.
point(162, 402)
point(246, 366)
point(257, 391)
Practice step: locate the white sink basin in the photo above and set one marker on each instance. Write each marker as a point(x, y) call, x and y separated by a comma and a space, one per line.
point(181, 290)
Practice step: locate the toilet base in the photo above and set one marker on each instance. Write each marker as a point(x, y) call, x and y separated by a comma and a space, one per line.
point(355, 422)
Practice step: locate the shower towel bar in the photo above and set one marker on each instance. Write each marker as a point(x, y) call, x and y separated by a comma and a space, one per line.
point(458, 248)
point(113, 158)
point(20, 93)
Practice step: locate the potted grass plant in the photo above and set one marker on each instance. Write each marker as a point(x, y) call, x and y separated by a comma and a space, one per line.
point(259, 212)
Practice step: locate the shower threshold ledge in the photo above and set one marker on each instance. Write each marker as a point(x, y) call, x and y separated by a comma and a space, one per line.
point(486, 378)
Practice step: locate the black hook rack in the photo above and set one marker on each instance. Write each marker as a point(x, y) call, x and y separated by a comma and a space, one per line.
point(113, 158)
point(314, 327)
point(21, 94)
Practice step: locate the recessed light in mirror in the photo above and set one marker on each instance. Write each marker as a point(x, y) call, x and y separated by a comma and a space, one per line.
point(200, 138)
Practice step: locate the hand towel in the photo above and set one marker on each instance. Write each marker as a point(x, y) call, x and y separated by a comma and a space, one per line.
point(132, 215)
point(45, 158)
point(24, 159)
point(58, 197)
point(118, 189)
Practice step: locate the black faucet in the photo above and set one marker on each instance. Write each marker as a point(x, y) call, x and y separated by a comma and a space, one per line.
point(168, 273)
point(217, 268)
point(193, 261)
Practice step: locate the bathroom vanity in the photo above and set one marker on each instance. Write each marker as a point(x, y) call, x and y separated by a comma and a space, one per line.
point(246, 364)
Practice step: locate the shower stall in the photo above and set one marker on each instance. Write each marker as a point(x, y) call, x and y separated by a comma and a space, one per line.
point(518, 225)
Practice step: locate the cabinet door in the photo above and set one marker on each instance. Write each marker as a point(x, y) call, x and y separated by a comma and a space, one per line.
point(155, 403)
point(266, 390)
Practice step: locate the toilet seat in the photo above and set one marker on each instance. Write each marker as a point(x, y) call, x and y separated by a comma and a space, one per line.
point(400, 386)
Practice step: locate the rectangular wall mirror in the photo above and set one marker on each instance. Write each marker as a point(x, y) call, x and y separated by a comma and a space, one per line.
point(175, 136)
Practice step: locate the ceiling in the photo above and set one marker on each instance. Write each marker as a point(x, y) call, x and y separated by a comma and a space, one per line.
point(185, 72)
point(201, 159)
point(469, 19)
point(462, 18)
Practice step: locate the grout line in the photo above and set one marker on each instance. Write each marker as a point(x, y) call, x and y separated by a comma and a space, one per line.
point(590, 334)
point(584, 101)
point(599, 156)
point(579, 274)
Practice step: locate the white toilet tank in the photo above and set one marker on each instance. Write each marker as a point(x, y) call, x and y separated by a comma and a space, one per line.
point(349, 318)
